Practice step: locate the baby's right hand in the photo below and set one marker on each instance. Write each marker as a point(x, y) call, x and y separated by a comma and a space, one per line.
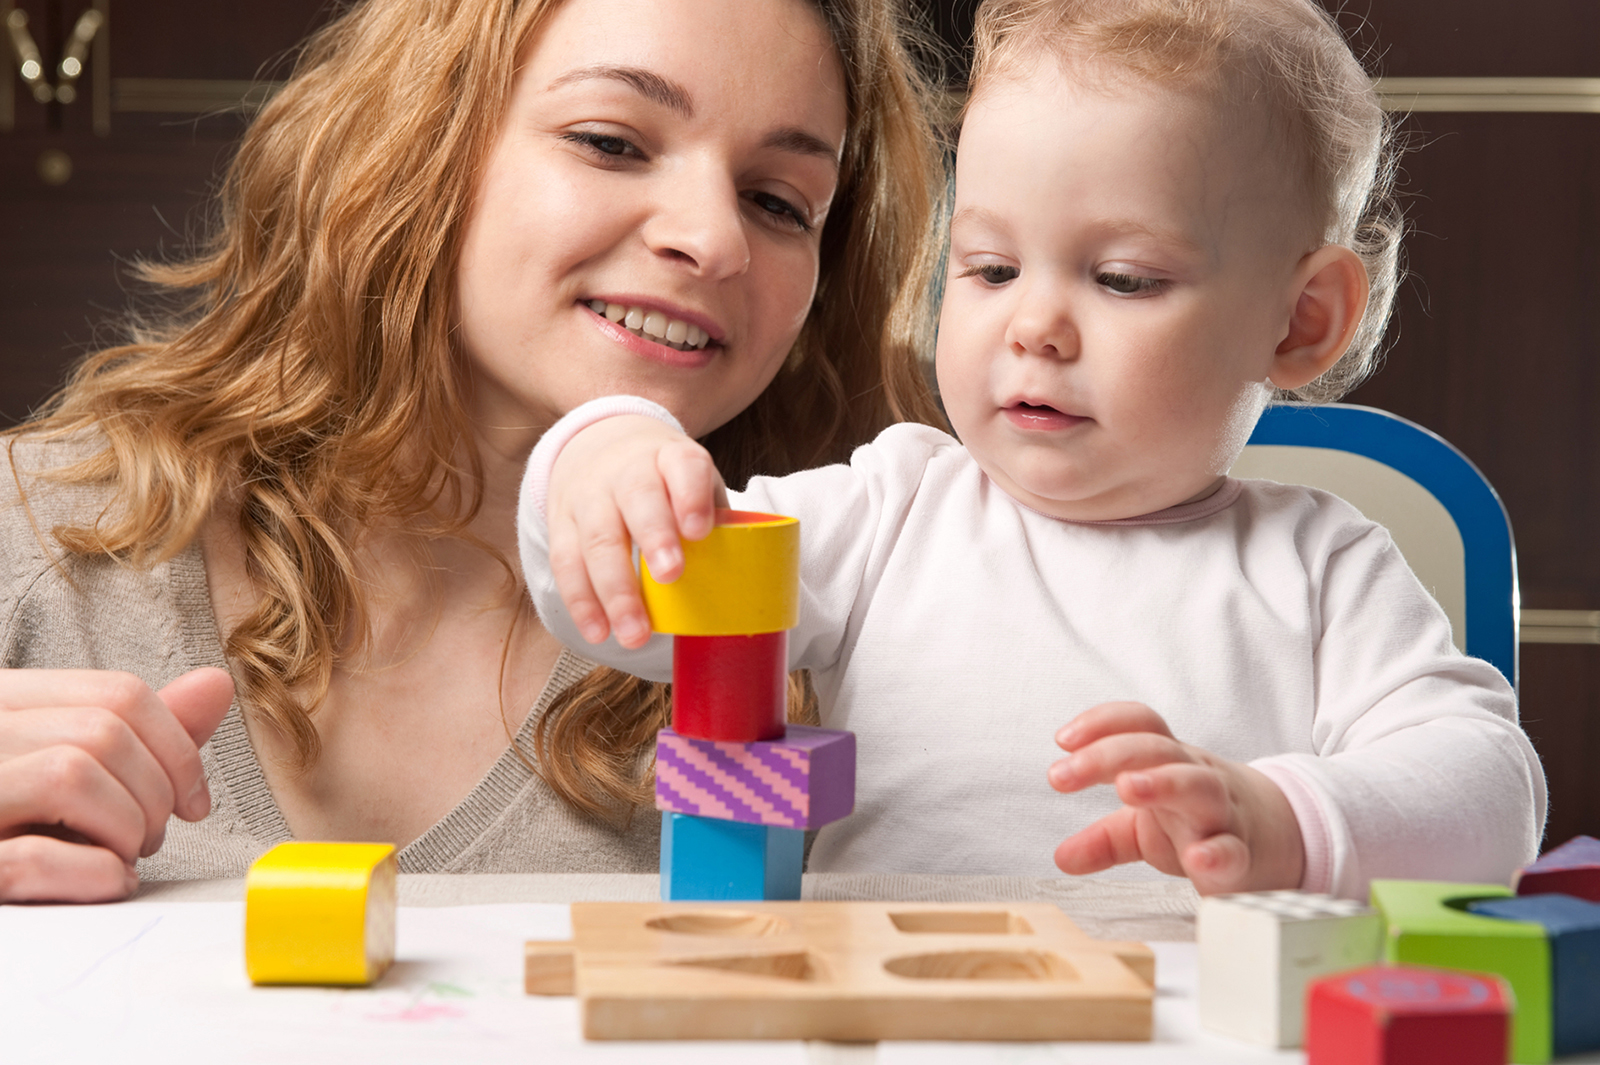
point(625, 480)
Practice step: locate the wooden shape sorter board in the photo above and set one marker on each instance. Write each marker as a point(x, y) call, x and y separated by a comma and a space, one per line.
point(844, 971)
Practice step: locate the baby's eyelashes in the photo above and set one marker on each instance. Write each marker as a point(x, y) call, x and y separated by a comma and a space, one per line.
point(1129, 284)
point(992, 273)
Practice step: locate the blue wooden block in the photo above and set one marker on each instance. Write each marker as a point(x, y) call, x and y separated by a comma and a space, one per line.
point(1573, 928)
point(703, 858)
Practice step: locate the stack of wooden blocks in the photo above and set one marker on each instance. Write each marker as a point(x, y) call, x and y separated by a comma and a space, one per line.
point(1470, 973)
point(736, 785)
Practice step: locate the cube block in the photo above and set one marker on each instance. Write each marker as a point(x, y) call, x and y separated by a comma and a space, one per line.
point(1404, 1015)
point(805, 780)
point(730, 687)
point(1573, 929)
point(1260, 951)
point(704, 859)
point(320, 913)
point(1427, 924)
point(1570, 869)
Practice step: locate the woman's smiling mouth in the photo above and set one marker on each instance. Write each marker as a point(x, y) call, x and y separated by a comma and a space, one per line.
point(652, 325)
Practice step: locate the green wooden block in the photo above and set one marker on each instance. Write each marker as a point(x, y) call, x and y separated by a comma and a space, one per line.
point(1423, 928)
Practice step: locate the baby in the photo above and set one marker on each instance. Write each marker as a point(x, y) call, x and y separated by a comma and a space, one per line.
point(1167, 214)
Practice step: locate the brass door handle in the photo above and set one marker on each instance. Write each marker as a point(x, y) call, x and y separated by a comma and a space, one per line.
point(30, 64)
point(71, 66)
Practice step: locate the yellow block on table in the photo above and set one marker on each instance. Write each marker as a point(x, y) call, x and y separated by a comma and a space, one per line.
point(320, 913)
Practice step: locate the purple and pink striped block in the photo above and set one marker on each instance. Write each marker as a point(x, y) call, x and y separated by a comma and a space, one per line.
point(804, 780)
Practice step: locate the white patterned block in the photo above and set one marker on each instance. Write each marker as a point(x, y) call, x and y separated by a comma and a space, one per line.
point(1259, 951)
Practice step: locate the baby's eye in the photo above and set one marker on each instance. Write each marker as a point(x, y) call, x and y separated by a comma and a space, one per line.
point(992, 273)
point(780, 211)
point(1128, 284)
point(602, 143)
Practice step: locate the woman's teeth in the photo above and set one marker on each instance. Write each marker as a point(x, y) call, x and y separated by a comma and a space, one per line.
point(685, 336)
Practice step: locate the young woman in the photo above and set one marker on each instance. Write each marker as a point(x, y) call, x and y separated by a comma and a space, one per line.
point(458, 220)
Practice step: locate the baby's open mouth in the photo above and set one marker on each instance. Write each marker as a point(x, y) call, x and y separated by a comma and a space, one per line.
point(652, 325)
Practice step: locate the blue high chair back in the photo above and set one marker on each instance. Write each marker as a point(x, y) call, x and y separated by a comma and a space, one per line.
point(1444, 516)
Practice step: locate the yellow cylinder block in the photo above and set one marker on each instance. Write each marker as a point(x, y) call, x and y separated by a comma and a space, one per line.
point(320, 913)
point(742, 580)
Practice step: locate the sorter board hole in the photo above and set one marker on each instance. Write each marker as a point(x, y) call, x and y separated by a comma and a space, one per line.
point(731, 923)
point(795, 965)
point(1029, 965)
point(961, 922)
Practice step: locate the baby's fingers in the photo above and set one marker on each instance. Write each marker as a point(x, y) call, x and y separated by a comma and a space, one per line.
point(1129, 835)
point(1217, 865)
point(606, 543)
point(696, 490)
point(1109, 719)
point(570, 572)
point(1103, 761)
point(1190, 797)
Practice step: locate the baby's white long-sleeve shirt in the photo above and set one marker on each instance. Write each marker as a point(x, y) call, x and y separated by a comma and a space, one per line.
point(954, 631)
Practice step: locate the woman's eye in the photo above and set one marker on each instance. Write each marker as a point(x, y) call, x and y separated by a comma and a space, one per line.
point(602, 143)
point(1128, 284)
point(781, 211)
point(992, 273)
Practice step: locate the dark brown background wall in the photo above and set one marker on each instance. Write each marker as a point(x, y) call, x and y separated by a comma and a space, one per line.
point(1495, 343)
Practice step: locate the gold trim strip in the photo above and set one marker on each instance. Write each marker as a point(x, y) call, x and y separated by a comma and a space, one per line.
point(1553, 634)
point(190, 95)
point(1555, 95)
point(1560, 626)
point(1533, 95)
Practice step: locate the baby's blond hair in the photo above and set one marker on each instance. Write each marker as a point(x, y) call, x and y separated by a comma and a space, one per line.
point(1288, 54)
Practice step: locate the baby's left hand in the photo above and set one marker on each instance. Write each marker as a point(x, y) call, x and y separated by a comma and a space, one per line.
point(1225, 826)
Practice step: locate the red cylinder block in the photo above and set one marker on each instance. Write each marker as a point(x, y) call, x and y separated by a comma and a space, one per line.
point(730, 687)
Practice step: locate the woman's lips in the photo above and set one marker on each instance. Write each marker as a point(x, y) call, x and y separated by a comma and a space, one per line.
point(646, 348)
point(1040, 418)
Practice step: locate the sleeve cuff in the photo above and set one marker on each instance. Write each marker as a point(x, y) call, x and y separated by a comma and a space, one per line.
point(1314, 834)
point(536, 481)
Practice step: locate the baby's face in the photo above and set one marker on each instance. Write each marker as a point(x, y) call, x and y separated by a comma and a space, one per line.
point(1121, 274)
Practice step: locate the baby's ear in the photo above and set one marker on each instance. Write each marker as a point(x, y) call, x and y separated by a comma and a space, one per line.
point(1332, 296)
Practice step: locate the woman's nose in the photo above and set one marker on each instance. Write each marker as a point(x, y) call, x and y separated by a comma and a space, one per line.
point(1042, 325)
point(698, 222)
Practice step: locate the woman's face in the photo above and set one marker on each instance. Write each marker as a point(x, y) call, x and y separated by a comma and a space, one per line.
point(648, 221)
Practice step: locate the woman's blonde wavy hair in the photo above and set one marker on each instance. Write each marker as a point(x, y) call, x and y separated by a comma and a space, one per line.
point(1287, 54)
point(308, 382)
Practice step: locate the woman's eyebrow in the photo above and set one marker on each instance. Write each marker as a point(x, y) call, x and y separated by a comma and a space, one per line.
point(670, 94)
point(646, 83)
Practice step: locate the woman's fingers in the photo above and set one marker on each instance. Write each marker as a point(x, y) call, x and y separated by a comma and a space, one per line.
point(106, 739)
point(132, 701)
point(46, 869)
point(1108, 719)
point(199, 700)
point(65, 787)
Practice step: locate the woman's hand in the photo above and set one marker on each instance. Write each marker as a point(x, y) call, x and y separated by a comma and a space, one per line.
point(625, 480)
point(92, 763)
point(1225, 826)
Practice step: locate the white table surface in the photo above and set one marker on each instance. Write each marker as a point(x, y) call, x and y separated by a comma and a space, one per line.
point(161, 979)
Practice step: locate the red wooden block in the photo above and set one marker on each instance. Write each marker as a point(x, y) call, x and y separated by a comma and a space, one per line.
point(1571, 869)
point(1404, 1015)
point(730, 687)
